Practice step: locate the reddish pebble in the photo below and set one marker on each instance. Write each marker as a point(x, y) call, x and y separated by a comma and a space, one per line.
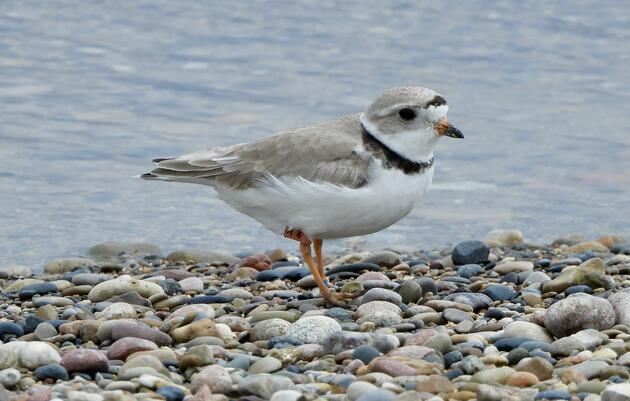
point(85, 360)
point(259, 262)
point(124, 347)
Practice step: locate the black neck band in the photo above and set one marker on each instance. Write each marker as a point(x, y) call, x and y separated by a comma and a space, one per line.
point(391, 158)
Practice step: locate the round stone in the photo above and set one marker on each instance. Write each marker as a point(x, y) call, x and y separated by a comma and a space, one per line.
point(578, 312)
point(265, 365)
point(365, 353)
point(313, 329)
point(267, 329)
point(500, 293)
point(410, 291)
point(85, 360)
point(470, 270)
point(10, 377)
point(53, 371)
point(470, 252)
point(381, 294)
point(124, 347)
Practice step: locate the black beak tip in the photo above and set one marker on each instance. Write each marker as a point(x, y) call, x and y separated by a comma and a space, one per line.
point(454, 133)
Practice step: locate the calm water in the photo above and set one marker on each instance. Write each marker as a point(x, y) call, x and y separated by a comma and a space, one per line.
point(90, 93)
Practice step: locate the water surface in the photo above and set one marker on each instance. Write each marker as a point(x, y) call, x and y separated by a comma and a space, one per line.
point(90, 93)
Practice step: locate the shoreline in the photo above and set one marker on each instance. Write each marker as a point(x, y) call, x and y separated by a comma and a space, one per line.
point(487, 320)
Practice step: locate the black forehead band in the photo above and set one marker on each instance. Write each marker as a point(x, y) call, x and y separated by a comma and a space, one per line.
point(436, 101)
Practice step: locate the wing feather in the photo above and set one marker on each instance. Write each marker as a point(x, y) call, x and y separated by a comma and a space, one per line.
point(324, 152)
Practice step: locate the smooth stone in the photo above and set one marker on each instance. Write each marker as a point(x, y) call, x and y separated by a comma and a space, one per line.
point(535, 278)
point(171, 393)
point(578, 289)
point(199, 355)
point(377, 395)
point(124, 347)
point(471, 365)
point(59, 266)
point(52, 300)
point(234, 293)
point(553, 395)
point(197, 256)
point(85, 360)
point(89, 278)
point(119, 310)
point(578, 312)
point(435, 384)
point(133, 329)
point(428, 285)
point(264, 386)
point(359, 388)
point(365, 353)
point(37, 289)
point(620, 302)
point(616, 392)
point(269, 275)
point(267, 329)
point(313, 329)
point(486, 392)
point(591, 273)
point(195, 309)
point(44, 331)
point(381, 294)
point(10, 377)
point(198, 328)
point(470, 270)
point(523, 329)
point(372, 307)
point(353, 268)
point(122, 285)
point(469, 252)
point(11, 328)
point(286, 395)
point(209, 299)
point(53, 371)
point(538, 366)
point(410, 291)
point(32, 354)
point(265, 365)
point(507, 344)
point(500, 293)
point(8, 359)
point(387, 259)
point(216, 377)
point(174, 273)
point(519, 266)
point(475, 300)
point(493, 375)
point(589, 369)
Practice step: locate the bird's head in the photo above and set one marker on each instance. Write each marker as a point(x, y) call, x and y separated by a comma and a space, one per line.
point(409, 120)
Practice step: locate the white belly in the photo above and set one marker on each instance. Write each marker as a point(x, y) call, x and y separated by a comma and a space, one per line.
point(327, 211)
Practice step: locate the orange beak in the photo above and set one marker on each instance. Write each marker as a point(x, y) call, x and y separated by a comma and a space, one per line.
point(445, 128)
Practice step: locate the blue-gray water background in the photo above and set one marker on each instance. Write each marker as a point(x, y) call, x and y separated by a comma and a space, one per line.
point(91, 91)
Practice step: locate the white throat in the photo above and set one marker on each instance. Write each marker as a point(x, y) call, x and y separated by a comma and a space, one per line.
point(416, 146)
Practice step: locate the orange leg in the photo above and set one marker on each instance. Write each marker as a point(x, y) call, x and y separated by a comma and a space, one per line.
point(317, 246)
point(314, 267)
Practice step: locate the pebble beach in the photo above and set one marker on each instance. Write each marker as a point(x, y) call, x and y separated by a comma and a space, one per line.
point(495, 318)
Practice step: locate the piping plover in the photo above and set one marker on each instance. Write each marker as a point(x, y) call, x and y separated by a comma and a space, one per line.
point(352, 176)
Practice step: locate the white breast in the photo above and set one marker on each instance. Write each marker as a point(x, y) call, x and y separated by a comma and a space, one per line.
point(327, 211)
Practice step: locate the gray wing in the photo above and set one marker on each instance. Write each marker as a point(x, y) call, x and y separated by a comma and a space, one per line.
point(325, 152)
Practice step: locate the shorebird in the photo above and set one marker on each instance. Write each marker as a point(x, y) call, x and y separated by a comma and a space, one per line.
point(355, 175)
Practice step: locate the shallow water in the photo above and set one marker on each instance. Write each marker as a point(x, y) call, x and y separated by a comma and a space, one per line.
point(90, 93)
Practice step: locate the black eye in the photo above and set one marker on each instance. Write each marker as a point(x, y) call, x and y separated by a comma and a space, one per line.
point(407, 114)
